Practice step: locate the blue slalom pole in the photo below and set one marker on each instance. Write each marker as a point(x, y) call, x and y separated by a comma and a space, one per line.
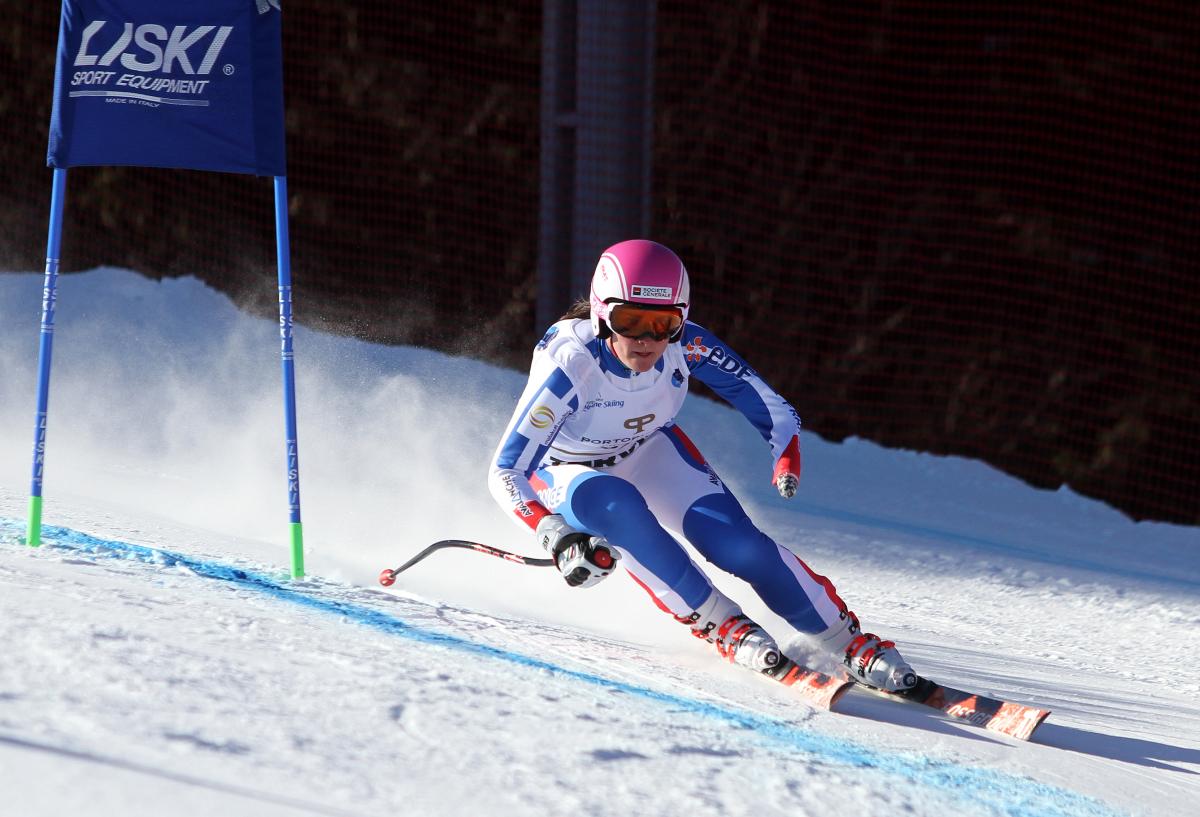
point(58, 196)
point(284, 262)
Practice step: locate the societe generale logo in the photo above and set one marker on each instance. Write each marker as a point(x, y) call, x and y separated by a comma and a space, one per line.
point(658, 293)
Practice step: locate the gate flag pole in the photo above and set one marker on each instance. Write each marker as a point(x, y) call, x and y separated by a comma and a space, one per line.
point(58, 195)
point(283, 253)
point(170, 84)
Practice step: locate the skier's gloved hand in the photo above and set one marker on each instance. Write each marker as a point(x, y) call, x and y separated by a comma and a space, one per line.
point(584, 563)
point(786, 476)
point(583, 559)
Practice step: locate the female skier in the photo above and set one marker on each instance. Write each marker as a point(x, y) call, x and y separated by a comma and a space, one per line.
point(594, 464)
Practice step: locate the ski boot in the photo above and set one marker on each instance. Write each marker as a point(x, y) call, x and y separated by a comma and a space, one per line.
point(865, 657)
point(869, 659)
point(736, 636)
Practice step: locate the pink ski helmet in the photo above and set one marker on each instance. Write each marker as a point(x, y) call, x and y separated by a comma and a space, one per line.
point(638, 272)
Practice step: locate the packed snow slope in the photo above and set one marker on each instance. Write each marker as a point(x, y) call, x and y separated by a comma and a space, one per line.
point(158, 660)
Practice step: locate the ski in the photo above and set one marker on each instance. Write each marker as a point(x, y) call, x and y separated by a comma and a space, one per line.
point(816, 688)
point(823, 691)
point(996, 715)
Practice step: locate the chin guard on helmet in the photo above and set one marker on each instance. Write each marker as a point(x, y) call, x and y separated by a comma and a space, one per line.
point(642, 273)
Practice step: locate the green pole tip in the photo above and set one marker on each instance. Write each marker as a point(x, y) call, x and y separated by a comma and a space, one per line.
point(297, 535)
point(33, 532)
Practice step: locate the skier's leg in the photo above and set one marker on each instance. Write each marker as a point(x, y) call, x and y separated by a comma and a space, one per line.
point(721, 531)
point(602, 503)
point(690, 499)
point(714, 522)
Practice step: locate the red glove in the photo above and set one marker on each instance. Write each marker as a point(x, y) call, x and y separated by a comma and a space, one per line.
point(787, 470)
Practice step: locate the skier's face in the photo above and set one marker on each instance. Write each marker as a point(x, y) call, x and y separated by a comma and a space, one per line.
point(639, 354)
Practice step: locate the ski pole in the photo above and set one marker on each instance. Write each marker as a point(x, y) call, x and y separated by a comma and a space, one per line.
point(388, 576)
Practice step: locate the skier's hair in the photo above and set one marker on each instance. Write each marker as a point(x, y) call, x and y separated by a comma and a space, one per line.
point(581, 309)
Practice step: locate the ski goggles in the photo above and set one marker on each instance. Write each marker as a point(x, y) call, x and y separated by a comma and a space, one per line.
point(644, 322)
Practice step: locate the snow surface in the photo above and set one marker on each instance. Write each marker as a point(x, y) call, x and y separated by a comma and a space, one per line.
point(158, 660)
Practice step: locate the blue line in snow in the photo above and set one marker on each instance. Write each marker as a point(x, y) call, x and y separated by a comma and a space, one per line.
point(994, 792)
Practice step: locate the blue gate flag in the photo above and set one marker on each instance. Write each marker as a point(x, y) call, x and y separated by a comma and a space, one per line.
point(169, 83)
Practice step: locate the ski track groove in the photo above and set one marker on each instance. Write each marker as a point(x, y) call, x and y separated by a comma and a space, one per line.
point(996, 792)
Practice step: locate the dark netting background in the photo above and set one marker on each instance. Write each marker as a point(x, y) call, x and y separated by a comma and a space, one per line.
point(966, 228)
point(963, 228)
point(412, 137)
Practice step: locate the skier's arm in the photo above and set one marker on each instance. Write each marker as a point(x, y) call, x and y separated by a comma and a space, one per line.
point(549, 398)
point(717, 366)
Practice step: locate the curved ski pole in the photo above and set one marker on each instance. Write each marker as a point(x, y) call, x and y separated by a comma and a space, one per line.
point(388, 576)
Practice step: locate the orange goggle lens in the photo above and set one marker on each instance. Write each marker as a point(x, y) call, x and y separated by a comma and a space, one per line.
point(655, 323)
